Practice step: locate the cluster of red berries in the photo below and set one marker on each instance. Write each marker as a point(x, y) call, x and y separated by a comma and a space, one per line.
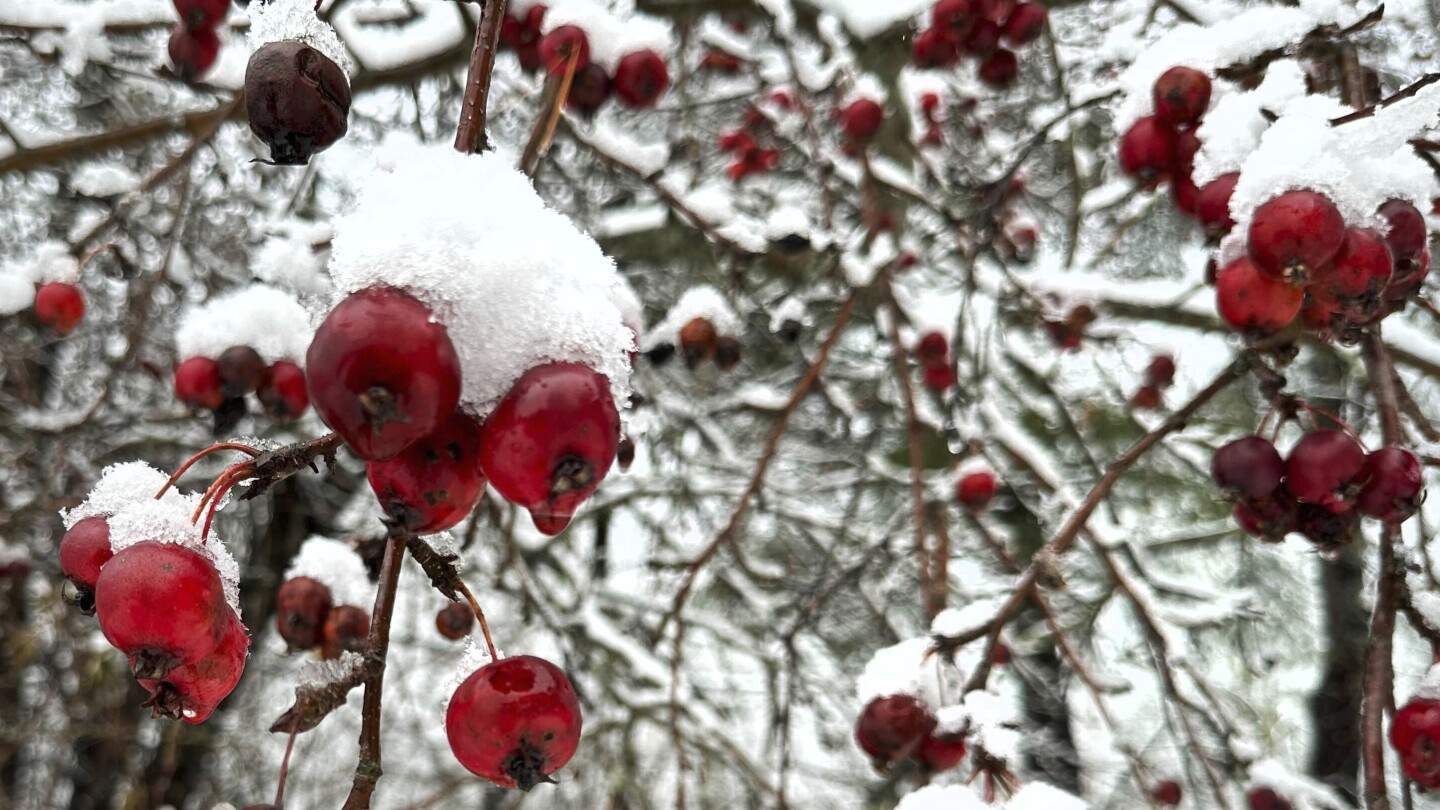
point(641, 77)
point(937, 370)
point(1320, 490)
point(190, 655)
point(975, 28)
point(384, 375)
point(975, 490)
point(307, 618)
point(1415, 736)
point(220, 385)
point(900, 727)
point(1161, 146)
point(59, 306)
point(745, 145)
point(1067, 332)
point(1159, 375)
point(1303, 260)
point(194, 44)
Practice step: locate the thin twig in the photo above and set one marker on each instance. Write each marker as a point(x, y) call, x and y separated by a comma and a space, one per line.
point(470, 135)
point(368, 770)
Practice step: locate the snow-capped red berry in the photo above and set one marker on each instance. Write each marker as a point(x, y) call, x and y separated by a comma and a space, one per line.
point(1295, 234)
point(1358, 274)
point(1161, 371)
point(84, 550)
point(1000, 68)
point(1212, 205)
point(346, 630)
point(1415, 736)
point(728, 352)
point(564, 44)
point(981, 39)
point(976, 490)
point(1326, 530)
point(1253, 303)
point(861, 119)
point(939, 377)
point(893, 727)
point(1166, 794)
point(932, 348)
point(193, 51)
point(698, 340)
point(301, 607)
point(1390, 485)
point(1321, 468)
point(1407, 234)
point(589, 90)
point(282, 391)
point(1025, 24)
point(514, 721)
point(1263, 798)
point(198, 384)
point(147, 574)
point(941, 752)
point(1268, 519)
point(202, 13)
point(192, 692)
point(59, 307)
point(1147, 151)
point(297, 100)
point(953, 17)
point(381, 373)
point(551, 441)
point(640, 79)
point(1250, 468)
point(934, 48)
point(435, 482)
point(455, 620)
point(1181, 96)
point(241, 371)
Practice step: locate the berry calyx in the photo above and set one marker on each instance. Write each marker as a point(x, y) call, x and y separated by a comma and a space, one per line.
point(1000, 68)
point(1147, 151)
point(861, 120)
point(193, 692)
point(1295, 234)
point(198, 14)
point(976, 490)
point(59, 307)
point(147, 574)
point(1250, 468)
point(1166, 794)
point(1212, 205)
point(1025, 24)
point(1415, 736)
point(346, 629)
point(1390, 485)
point(283, 392)
point(455, 620)
point(381, 372)
point(1181, 96)
point(84, 550)
point(297, 99)
point(198, 384)
point(941, 752)
point(301, 607)
point(640, 79)
point(1252, 303)
point(892, 728)
point(193, 51)
point(242, 369)
point(514, 721)
point(563, 44)
point(551, 441)
point(435, 482)
point(1321, 468)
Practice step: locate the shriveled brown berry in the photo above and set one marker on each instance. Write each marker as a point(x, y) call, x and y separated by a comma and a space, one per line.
point(455, 620)
point(298, 100)
point(698, 341)
point(242, 369)
point(345, 630)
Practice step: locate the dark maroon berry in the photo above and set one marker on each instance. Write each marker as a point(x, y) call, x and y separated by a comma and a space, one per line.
point(346, 629)
point(1390, 485)
point(1322, 467)
point(892, 728)
point(1250, 468)
point(1328, 531)
point(455, 620)
point(589, 90)
point(242, 369)
point(301, 607)
point(298, 100)
point(1212, 205)
point(1408, 236)
point(1181, 95)
point(1268, 519)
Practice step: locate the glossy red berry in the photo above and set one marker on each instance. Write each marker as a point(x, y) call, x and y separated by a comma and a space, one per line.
point(346, 629)
point(1390, 485)
point(893, 727)
point(953, 17)
point(202, 13)
point(301, 607)
point(59, 307)
point(932, 348)
point(551, 441)
point(283, 392)
point(192, 692)
point(241, 371)
point(861, 120)
point(563, 45)
point(641, 79)
point(589, 90)
point(940, 752)
point(1407, 234)
point(1166, 794)
point(1212, 205)
point(1025, 24)
point(1295, 234)
point(381, 372)
point(514, 721)
point(148, 574)
point(976, 490)
point(198, 384)
point(1415, 736)
point(1249, 468)
point(455, 620)
point(193, 51)
point(84, 550)
point(935, 48)
point(1266, 799)
point(1321, 468)
point(435, 482)
point(939, 377)
point(1000, 68)
point(1147, 151)
point(1356, 278)
point(1253, 303)
point(1181, 96)
point(981, 38)
point(1269, 519)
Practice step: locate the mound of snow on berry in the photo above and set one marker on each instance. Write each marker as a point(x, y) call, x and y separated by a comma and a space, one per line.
point(514, 281)
point(697, 302)
point(336, 566)
point(280, 20)
point(267, 320)
point(50, 261)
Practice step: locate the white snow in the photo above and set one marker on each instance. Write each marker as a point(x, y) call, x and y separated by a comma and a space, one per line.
point(1429, 686)
point(645, 158)
point(104, 180)
point(48, 261)
point(956, 622)
point(324, 673)
point(867, 18)
point(434, 29)
point(944, 797)
point(703, 301)
point(515, 282)
point(336, 566)
point(288, 259)
point(281, 20)
point(17, 292)
point(1042, 796)
point(475, 656)
point(894, 670)
point(632, 312)
point(609, 35)
point(790, 309)
point(268, 320)
point(1304, 793)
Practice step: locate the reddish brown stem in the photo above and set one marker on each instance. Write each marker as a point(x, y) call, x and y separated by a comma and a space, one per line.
point(470, 136)
point(214, 448)
point(479, 617)
point(368, 770)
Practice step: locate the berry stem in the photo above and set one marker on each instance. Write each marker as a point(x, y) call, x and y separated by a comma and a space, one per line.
point(479, 616)
point(544, 132)
point(221, 484)
point(367, 770)
point(214, 448)
point(285, 765)
point(470, 135)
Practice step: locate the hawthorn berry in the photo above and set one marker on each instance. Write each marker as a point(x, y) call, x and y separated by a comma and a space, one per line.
point(193, 51)
point(1147, 151)
point(1269, 519)
point(1147, 398)
point(893, 727)
point(59, 306)
point(640, 79)
point(939, 377)
point(1250, 468)
point(301, 607)
point(861, 119)
point(297, 99)
point(1264, 798)
point(563, 45)
point(1295, 234)
point(192, 692)
point(514, 721)
point(728, 352)
point(1212, 205)
point(976, 490)
point(1415, 736)
point(1166, 794)
point(1000, 656)
point(1161, 371)
point(932, 348)
point(455, 620)
point(346, 629)
point(147, 574)
point(953, 17)
point(934, 48)
point(1181, 96)
point(995, 10)
point(1025, 23)
point(84, 550)
point(589, 90)
point(625, 453)
point(282, 391)
point(381, 372)
point(198, 14)
point(551, 441)
point(1358, 274)
point(981, 39)
point(1390, 485)
point(435, 482)
point(198, 384)
point(941, 752)
point(1253, 303)
point(698, 341)
point(1184, 193)
point(1321, 468)
point(241, 371)
point(1407, 235)
point(1000, 68)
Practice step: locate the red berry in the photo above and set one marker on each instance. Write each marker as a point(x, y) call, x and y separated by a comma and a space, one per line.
point(435, 482)
point(301, 607)
point(589, 90)
point(193, 51)
point(1147, 151)
point(381, 373)
point(149, 574)
point(1181, 95)
point(640, 79)
point(1001, 655)
point(1253, 303)
point(197, 384)
point(1161, 371)
point(1269, 519)
point(192, 692)
point(1025, 24)
point(1000, 68)
point(514, 721)
point(1147, 398)
point(625, 454)
point(1295, 234)
point(1266, 799)
point(892, 728)
point(1415, 736)
point(1167, 793)
point(941, 752)
point(1212, 205)
point(995, 10)
point(982, 38)
point(1391, 483)
point(346, 630)
point(84, 550)
point(1359, 273)
point(953, 17)
point(241, 371)
point(976, 490)
point(1408, 236)
point(1249, 468)
point(1321, 468)
point(939, 377)
point(720, 62)
point(455, 620)
point(202, 13)
point(282, 391)
point(563, 44)
point(1184, 193)
point(861, 119)
point(931, 349)
point(1404, 285)
point(935, 48)
point(728, 352)
point(550, 441)
point(59, 307)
